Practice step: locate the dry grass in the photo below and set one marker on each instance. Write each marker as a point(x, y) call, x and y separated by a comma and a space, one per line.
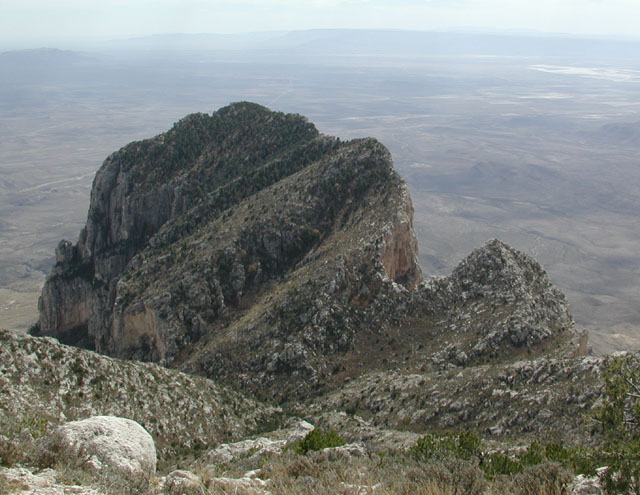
point(319, 473)
point(389, 474)
point(543, 479)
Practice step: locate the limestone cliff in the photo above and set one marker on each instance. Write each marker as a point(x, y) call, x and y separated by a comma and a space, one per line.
point(145, 184)
point(246, 246)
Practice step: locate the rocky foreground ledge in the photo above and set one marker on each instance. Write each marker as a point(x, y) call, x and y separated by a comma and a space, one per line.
point(108, 455)
point(44, 383)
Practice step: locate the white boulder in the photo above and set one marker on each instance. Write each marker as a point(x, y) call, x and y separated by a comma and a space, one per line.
point(242, 486)
point(106, 443)
point(586, 485)
point(255, 448)
point(298, 431)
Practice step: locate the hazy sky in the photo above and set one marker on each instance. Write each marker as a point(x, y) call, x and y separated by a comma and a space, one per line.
point(35, 21)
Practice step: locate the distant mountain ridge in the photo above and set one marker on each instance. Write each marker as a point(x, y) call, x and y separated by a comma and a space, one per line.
point(390, 41)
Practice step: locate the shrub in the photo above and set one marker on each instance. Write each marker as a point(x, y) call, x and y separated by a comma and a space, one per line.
point(457, 476)
point(468, 445)
point(10, 452)
point(316, 439)
point(535, 454)
point(557, 453)
point(20, 438)
point(541, 479)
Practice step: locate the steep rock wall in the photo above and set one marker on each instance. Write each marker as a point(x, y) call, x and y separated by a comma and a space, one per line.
point(399, 256)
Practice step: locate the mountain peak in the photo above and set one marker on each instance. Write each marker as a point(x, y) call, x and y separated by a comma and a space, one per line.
point(246, 246)
point(526, 308)
point(224, 222)
point(497, 262)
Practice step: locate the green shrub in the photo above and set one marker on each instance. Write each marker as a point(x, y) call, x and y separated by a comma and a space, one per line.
point(555, 452)
point(429, 447)
point(316, 439)
point(584, 460)
point(468, 445)
point(578, 460)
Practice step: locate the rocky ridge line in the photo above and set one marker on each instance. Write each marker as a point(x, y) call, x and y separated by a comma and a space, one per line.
point(283, 262)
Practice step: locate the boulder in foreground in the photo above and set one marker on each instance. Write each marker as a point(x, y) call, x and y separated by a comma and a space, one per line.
point(106, 444)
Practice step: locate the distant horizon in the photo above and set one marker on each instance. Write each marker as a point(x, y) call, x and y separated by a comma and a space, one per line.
point(31, 23)
point(88, 42)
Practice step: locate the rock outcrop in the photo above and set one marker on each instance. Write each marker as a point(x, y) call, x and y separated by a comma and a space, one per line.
point(259, 447)
point(543, 400)
point(180, 482)
point(203, 237)
point(246, 246)
point(44, 384)
point(496, 301)
point(205, 164)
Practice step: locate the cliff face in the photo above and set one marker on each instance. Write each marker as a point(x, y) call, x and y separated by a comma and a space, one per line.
point(401, 247)
point(247, 246)
point(147, 183)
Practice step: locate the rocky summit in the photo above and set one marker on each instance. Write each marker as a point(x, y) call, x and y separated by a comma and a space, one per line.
point(246, 246)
